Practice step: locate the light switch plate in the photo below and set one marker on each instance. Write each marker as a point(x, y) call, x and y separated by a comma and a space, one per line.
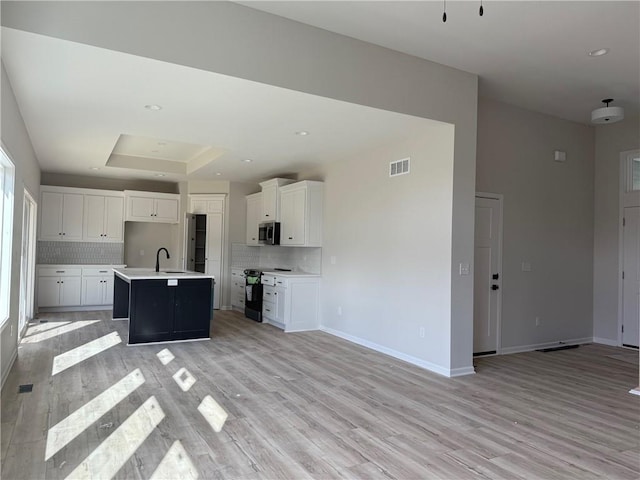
point(526, 266)
point(464, 269)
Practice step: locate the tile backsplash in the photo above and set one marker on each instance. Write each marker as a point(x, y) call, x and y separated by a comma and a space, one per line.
point(308, 259)
point(81, 253)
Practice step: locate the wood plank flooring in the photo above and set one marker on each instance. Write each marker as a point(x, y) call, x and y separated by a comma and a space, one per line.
point(310, 405)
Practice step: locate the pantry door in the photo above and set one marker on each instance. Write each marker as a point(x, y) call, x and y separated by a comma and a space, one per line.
point(487, 275)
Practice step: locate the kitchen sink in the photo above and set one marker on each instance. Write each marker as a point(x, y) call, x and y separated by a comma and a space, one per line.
point(173, 271)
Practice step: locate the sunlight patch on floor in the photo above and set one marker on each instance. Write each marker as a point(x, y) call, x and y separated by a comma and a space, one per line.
point(184, 379)
point(65, 327)
point(79, 354)
point(213, 413)
point(109, 457)
point(34, 328)
point(175, 464)
point(76, 423)
point(165, 356)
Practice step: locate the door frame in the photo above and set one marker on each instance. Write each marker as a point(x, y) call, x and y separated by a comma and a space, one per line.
point(626, 199)
point(27, 306)
point(500, 198)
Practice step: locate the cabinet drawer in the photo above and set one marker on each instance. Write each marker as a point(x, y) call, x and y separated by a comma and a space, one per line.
point(59, 272)
point(268, 310)
point(97, 272)
point(268, 292)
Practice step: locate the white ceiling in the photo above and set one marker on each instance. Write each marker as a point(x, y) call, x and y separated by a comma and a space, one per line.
point(529, 54)
point(78, 100)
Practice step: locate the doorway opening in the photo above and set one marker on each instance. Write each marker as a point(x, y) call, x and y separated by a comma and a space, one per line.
point(27, 263)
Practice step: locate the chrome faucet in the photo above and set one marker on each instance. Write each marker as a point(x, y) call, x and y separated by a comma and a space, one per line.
point(158, 257)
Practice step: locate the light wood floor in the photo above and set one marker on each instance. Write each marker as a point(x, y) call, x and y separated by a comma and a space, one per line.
point(311, 405)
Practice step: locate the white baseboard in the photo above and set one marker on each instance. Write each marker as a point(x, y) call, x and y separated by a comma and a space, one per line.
point(83, 308)
point(226, 307)
point(606, 341)
point(538, 346)
point(447, 372)
point(8, 369)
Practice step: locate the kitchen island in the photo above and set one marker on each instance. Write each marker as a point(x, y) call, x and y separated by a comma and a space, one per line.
point(163, 306)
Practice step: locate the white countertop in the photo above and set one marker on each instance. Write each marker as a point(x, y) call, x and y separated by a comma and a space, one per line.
point(81, 265)
point(293, 274)
point(129, 274)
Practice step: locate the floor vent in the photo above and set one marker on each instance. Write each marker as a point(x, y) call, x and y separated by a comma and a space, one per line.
point(26, 388)
point(399, 167)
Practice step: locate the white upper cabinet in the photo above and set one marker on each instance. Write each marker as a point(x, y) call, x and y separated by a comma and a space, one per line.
point(104, 218)
point(61, 214)
point(254, 212)
point(271, 199)
point(207, 203)
point(152, 207)
point(301, 214)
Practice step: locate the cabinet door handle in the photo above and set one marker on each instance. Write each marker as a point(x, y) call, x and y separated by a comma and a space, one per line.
point(63, 233)
point(266, 214)
point(267, 310)
point(290, 238)
point(61, 282)
point(103, 271)
point(60, 271)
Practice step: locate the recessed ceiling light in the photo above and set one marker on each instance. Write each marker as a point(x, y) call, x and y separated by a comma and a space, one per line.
point(94, 168)
point(247, 160)
point(153, 107)
point(159, 175)
point(599, 52)
point(302, 133)
point(218, 174)
point(155, 151)
point(162, 144)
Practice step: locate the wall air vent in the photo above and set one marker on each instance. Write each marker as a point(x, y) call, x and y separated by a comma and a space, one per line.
point(399, 167)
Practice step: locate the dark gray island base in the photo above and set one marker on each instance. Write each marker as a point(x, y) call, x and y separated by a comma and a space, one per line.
point(163, 306)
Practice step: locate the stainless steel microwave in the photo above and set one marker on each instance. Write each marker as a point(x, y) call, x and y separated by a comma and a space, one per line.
point(269, 233)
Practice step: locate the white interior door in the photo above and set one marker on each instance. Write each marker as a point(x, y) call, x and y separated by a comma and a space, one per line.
point(487, 276)
point(631, 278)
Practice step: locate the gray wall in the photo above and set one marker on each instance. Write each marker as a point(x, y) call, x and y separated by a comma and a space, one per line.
point(391, 241)
point(105, 183)
point(288, 54)
point(17, 144)
point(610, 141)
point(548, 220)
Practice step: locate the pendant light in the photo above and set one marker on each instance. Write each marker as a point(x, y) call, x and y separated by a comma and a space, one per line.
point(444, 10)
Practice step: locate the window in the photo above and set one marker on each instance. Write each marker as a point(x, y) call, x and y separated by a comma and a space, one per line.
point(6, 218)
point(633, 172)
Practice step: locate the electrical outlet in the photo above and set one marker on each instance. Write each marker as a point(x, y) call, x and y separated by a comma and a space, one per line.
point(340, 311)
point(333, 260)
point(142, 253)
point(421, 332)
point(464, 269)
point(537, 321)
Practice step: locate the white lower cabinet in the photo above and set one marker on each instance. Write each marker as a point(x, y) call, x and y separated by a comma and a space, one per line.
point(97, 286)
point(75, 286)
point(237, 289)
point(291, 303)
point(59, 287)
